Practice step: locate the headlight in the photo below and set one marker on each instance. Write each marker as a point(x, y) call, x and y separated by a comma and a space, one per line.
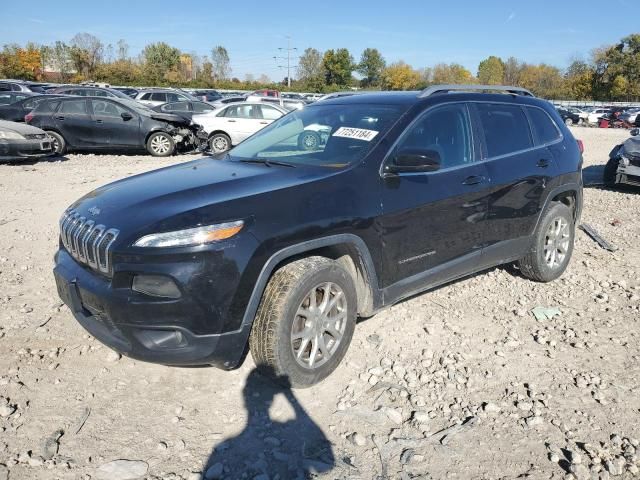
point(624, 161)
point(8, 134)
point(191, 236)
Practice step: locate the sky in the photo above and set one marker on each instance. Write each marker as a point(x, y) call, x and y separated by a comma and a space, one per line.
point(421, 33)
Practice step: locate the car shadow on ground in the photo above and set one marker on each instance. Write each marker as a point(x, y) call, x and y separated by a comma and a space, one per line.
point(34, 161)
point(290, 446)
point(593, 175)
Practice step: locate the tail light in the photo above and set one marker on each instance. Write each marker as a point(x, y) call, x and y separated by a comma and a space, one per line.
point(28, 117)
point(580, 146)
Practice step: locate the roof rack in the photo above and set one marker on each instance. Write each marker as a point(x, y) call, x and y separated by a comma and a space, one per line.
point(435, 89)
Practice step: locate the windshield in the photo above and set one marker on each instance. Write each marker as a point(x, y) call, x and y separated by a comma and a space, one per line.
point(321, 135)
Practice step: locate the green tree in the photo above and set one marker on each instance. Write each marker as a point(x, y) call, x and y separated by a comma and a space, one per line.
point(578, 81)
point(310, 69)
point(159, 60)
point(86, 52)
point(60, 61)
point(338, 66)
point(543, 80)
point(451, 73)
point(371, 66)
point(399, 76)
point(491, 71)
point(512, 68)
point(221, 63)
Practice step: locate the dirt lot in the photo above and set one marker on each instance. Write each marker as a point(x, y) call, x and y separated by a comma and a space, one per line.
point(526, 398)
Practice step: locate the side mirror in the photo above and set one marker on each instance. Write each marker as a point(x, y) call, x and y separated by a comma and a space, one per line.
point(412, 160)
point(126, 116)
point(635, 132)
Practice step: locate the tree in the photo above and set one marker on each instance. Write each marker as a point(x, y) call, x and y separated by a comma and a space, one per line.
point(87, 52)
point(511, 71)
point(371, 66)
point(338, 66)
point(399, 76)
point(619, 88)
point(310, 69)
point(159, 60)
point(122, 49)
point(119, 72)
point(491, 71)
point(19, 62)
point(60, 60)
point(578, 80)
point(452, 73)
point(615, 63)
point(543, 80)
point(221, 63)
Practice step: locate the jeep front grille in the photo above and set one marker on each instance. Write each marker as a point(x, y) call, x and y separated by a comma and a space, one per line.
point(87, 242)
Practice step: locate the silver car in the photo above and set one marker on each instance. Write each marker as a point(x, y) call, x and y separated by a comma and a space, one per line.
point(158, 96)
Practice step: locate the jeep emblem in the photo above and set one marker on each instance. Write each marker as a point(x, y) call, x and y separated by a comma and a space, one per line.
point(95, 211)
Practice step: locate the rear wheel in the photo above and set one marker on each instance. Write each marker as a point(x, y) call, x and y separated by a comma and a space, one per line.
point(160, 144)
point(219, 142)
point(58, 142)
point(552, 245)
point(305, 322)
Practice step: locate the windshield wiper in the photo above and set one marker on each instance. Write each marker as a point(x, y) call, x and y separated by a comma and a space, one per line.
point(267, 162)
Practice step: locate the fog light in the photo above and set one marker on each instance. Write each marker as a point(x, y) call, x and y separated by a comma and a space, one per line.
point(155, 285)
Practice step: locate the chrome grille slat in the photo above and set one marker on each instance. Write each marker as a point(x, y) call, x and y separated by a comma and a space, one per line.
point(87, 242)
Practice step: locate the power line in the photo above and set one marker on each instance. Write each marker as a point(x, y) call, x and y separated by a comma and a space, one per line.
point(289, 49)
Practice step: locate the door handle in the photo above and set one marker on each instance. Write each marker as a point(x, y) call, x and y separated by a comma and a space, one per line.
point(474, 180)
point(98, 121)
point(542, 163)
point(60, 117)
point(231, 121)
point(264, 123)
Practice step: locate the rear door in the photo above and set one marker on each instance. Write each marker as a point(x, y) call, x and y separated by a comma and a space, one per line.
point(117, 126)
point(74, 123)
point(241, 121)
point(520, 169)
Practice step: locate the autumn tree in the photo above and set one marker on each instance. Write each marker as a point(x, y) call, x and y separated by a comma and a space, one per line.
point(338, 66)
point(311, 70)
point(543, 80)
point(578, 80)
point(86, 53)
point(399, 76)
point(511, 71)
point(451, 74)
point(159, 60)
point(371, 66)
point(491, 71)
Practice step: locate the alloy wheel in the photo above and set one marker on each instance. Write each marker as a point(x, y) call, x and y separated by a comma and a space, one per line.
point(319, 325)
point(220, 144)
point(160, 144)
point(556, 242)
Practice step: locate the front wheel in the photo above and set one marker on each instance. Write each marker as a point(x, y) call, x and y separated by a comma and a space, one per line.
point(219, 143)
point(58, 142)
point(552, 245)
point(305, 322)
point(160, 144)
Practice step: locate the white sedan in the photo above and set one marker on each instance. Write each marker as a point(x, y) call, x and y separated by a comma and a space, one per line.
point(227, 126)
point(596, 113)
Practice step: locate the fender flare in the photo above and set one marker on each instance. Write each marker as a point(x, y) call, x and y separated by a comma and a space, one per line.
point(567, 187)
point(293, 250)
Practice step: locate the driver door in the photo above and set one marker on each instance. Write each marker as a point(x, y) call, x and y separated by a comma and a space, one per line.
point(433, 223)
point(119, 127)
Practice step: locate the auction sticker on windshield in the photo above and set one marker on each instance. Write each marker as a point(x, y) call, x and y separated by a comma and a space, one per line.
point(357, 133)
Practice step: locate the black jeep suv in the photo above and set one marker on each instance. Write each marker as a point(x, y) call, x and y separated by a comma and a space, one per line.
point(276, 248)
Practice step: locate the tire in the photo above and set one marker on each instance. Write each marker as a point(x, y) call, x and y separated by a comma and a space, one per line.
point(160, 144)
point(542, 263)
point(276, 352)
point(610, 170)
point(219, 143)
point(568, 122)
point(308, 141)
point(58, 142)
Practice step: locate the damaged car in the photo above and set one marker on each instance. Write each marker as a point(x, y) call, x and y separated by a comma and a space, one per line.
point(101, 124)
point(623, 166)
point(21, 142)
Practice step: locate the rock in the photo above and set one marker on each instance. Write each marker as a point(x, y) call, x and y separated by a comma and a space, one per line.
point(534, 421)
point(374, 339)
point(36, 461)
point(7, 410)
point(581, 472)
point(525, 406)
point(113, 356)
point(4, 472)
point(420, 417)
point(574, 457)
point(122, 470)
point(357, 439)
point(554, 457)
point(194, 476)
point(214, 472)
point(490, 408)
point(393, 414)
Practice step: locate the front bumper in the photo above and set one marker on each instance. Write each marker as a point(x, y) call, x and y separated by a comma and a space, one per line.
point(629, 175)
point(23, 149)
point(141, 327)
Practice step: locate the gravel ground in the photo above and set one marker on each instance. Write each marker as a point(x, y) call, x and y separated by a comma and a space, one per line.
point(462, 382)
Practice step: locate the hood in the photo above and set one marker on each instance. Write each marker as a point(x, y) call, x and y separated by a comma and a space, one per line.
point(632, 146)
point(185, 195)
point(170, 117)
point(21, 128)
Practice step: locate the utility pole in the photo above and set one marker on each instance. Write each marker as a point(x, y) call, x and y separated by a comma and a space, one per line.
point(287, 58)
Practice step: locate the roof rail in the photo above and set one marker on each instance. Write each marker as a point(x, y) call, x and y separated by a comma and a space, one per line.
point(434, 89)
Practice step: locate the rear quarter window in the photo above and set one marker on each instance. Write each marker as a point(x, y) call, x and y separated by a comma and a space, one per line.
point(45, 107)
point(544, 128)
point(506, 129)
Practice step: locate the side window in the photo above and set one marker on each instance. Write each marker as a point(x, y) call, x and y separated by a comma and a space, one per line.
point(104, 108)
point(176, 107)
point(6, 99)
point(270, 113)
point(201, 107)
point(100, 93)
point(146, 96)
point(445, 130)
point(544, 128)
point(19, 97)
point(5, 87)
point(242, 111)
point(172, 97)
point(74, 106)
point(506, 129)
point(29, 104)
point(159, 97)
